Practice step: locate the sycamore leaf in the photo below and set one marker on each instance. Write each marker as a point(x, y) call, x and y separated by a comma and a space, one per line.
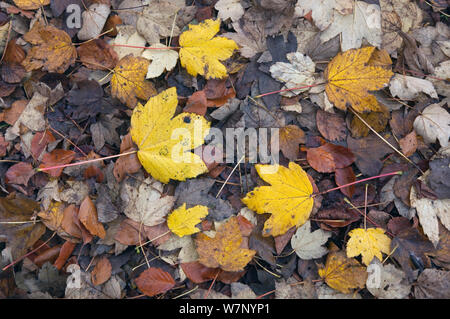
point(368, 243)
point(232, 9)
point(299, 72)
point(128, 82)
point(165, 142)
point(307, 244)
point(201, 52)
point(342, 273)
point(224, 250)
point(351, 75)
point(182, 221)
point(161, 60)
point(31, 4)
point(288, 198)
point(386, 281)
point(52, 49)
point(433, 123)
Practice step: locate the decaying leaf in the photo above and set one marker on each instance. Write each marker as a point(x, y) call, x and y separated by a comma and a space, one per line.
point(350, 76)
point(128, 81)
point(31, 4)
point(52, 49)
point(288, 198)
point(165, 142)
point(182, 221)
point(386, 281)
point(201, 52)
point(224, 250)
point(309, 245)
point(369, 243)
point(342, 273)
point(433, 124)
point(161, 60)
point(153, 281)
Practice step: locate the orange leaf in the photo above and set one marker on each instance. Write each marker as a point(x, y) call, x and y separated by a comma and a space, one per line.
point(89, 218)
point(153, 281)
point(54, 158)
point(328, 157)
point(101, 272)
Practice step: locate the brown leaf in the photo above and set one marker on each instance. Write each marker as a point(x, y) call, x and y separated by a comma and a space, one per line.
point(14, 52)
point(12, 72)
point(19, 237)
point(282, 240)
point(40, 141)
point(198, 273)
point(65, 252)
point(328, 157)
point(48, 255)
point(331, 125)
point(408, 144)
point(377, 120)
point(52, 49)
point(153, 281)
point(101, 272)
point(344, 176)
point(196, 103)
point(336, 217)
point(3, 145)
point(97, 55)
point(128, 164)
point(88, 217)
point(291, 136)
point(155, 233)
point(111, 23)
point(54, 158)
point(20, 173)
point(71, 224)
point(128, 233)
point(398, 224)
point(12, 114)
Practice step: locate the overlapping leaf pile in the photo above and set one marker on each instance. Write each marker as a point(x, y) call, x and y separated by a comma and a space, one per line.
point(137, 94)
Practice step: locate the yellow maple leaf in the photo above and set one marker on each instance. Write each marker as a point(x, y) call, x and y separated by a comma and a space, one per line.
point(52, 49)
point(369, 243)
point(165, 142)
point(182, 221)
point(288, 198)
point(352, 74)
point(224, 250)
point(342, 273)
point(128, 81)
point(201, 52)
point(31, 4)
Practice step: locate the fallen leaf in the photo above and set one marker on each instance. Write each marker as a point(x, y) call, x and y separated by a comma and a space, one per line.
point(331, 125)
point(144, 201)
point(368, 243)
point(433, 284)
point(97, 55)
point(232, 9)
point(224, 250)
point(308, 244)
point(31, 4)
point(408, 88)
point(182, 221)
point(52, 49)
point(53, 216)
point(328, 157)
point(54, 158)
point(288, 198)
point(128, 164)
point(101, 272)
point(386, 281)
point(350, 78)
point(344, 176)
point(94, 18)
point(89, 218)
point(201, 52)
point(298, 72)
point(433, 124)
point(39, 143)
point(336, 217)
point(165, 142)
point(161, 60)
point(65, 252)
point(128, 41)
point(408, 144)
point(290, 138)
point(153, 281)
point(19, 173)
point(342, 273)
point(128, 81)
point(376, 120)
point(19, 237)
point(363, 22)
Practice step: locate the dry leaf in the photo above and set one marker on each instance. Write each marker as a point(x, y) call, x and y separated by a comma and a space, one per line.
point(288, 198)
point(128, 81)
point(342, 273)
point(153, 281)
point(31, 4)
point(350, 77)
point(94, 18)
point(232, 9)
point(89, 218)
point(433, 124)
point(408, 88)
point(101, 272)
point(224, 250)
point(52, 49)
point(309, 245)
point(161, 60)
